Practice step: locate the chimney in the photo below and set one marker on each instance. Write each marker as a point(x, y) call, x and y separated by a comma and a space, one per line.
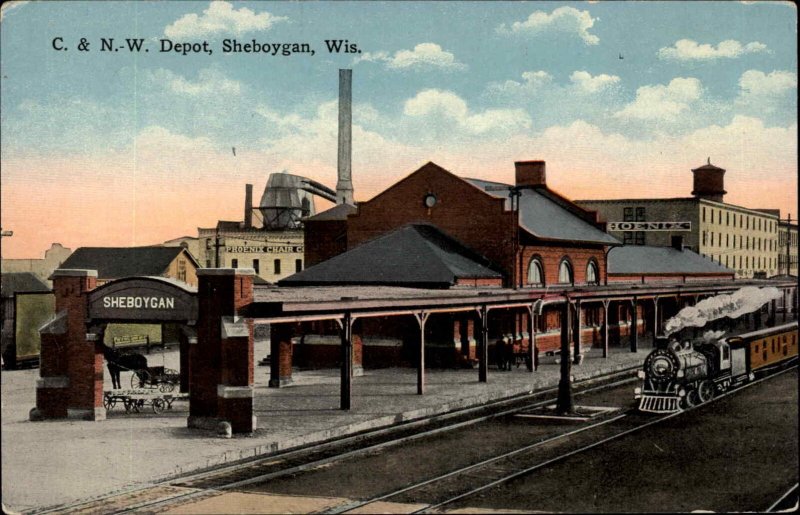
point(248, 206)
point(709, 182)
point(344, 185)
point(677, 243)
point(530, 173)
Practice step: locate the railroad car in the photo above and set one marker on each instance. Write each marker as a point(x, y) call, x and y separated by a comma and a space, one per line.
point(677, 375)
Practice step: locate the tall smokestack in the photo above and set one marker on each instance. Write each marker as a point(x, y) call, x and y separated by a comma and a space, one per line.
point(344, 186)
point(248, 206)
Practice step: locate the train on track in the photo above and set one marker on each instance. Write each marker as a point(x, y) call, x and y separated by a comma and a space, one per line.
point(678, 375)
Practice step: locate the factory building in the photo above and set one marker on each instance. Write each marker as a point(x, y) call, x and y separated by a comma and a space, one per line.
point(743, 239)
point(787, 248)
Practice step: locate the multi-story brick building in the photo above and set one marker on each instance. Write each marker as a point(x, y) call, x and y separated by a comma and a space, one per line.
point(787, 248)
point(743, 239)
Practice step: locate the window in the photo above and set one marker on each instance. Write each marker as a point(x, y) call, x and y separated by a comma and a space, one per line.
point(277, 266)
point(704, 214)
point(298, 265)
point(627, 238)
point(627, 214)
point(712, 239)
point(182, 270)
point(208, 263)
point(591, 273)
point(727, 240)
point(535, 272)
point(705, 234)
point(726, 260)
point(565, 272)
point(727, 218)
point(640, 214)
point(256, 265)
point(640, 235)
point(719, 217)
point(234, 263)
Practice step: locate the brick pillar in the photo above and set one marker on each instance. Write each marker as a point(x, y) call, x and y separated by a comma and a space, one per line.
point(280, 370)
point(470, 341)
point(71, 373)
point(222, 361)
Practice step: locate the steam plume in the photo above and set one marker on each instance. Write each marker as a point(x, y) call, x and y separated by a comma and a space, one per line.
point(743, 301)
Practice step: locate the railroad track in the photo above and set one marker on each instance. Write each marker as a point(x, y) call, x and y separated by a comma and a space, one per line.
point(465, 482)
point(179, 490)
point(439, 491)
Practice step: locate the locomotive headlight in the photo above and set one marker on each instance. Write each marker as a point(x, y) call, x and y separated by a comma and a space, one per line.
point(680, 373)
point(682, 392)
point(640, 374)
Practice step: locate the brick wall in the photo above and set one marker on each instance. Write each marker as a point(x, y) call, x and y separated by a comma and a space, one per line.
point(323, 240)
point(462, 211)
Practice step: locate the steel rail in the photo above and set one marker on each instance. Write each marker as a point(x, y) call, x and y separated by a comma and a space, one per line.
point(364, 450)
point(564, 456)
point(783, 498)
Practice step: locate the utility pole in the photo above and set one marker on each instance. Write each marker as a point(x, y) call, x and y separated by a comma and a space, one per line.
point(4, 234)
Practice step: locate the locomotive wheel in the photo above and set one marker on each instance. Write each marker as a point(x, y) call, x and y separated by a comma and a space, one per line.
point(692, 398)
point(705, 391)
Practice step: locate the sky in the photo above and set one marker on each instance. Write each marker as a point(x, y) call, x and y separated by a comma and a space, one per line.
point(621, 99)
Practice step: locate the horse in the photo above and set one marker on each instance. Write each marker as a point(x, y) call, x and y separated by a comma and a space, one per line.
point(117, 362)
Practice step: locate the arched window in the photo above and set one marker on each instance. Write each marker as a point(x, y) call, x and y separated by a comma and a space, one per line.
point(565, 272)
point(536, 272)
point(591, 273)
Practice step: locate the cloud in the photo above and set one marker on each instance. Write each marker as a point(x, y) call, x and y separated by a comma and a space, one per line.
point(209, 81)
point(221, 18)
point(563, 19)
point(424, 55)
point(445, 107)
point(689, 50)
point(584, 81)
point(778, 82)
point(664, 103)
point(762, 93)
point(532, 81)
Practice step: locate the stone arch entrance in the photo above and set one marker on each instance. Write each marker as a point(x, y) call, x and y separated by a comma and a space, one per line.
point(71, 368)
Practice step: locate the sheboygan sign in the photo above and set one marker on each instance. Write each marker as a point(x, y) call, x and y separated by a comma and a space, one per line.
point(143, 298)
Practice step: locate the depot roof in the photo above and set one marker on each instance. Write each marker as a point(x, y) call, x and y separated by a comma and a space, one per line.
point(415, 255)
point(14, 282)
point(547, 216)
point(642, 259)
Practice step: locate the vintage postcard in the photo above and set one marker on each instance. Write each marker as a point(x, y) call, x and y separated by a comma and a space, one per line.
point(268, 257)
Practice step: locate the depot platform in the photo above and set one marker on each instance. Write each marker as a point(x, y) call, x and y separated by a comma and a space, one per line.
point(46, 464)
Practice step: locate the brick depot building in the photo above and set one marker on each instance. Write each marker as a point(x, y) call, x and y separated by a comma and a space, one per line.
point(434, 229)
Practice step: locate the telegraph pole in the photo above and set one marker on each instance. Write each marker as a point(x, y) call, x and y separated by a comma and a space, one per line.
point(4, 234)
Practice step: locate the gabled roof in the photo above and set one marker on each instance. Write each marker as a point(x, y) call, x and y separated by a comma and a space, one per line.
point(11, 283)
point(338, 212)
point(545, 215)
point(642, 259)
point(415, 255)
point(118, 262)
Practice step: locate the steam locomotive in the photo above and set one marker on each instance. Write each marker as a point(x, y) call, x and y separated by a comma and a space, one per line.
point(677, 375)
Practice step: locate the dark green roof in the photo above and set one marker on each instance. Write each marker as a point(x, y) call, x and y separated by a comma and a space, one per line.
point(642, 259)
point(118, 262)
point(16, 282)
point(414, 255)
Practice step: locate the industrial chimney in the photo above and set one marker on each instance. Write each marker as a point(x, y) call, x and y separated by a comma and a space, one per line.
point(344, 185)
point(248, 206)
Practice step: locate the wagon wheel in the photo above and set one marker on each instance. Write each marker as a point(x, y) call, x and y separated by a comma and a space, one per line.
point(130, 405)
point(140, 378)
point(166, 386)
point(705, 391)
point(158, 405)
point(109, 402)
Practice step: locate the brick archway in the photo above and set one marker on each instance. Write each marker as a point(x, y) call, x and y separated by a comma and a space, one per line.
point(71, 367)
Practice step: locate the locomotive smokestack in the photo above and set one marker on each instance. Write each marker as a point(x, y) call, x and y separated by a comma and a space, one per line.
point(344, 185)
